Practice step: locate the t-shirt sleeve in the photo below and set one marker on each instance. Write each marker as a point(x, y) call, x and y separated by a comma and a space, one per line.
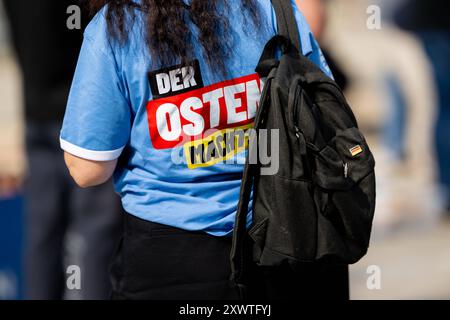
point(318, 57)
point(310, 47)
point(97, 121)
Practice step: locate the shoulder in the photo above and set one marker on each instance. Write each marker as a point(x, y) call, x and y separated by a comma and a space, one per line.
point(97, 29)
point(99, 37)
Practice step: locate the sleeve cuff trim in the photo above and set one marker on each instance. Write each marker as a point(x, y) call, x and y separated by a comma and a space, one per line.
point(90, 154)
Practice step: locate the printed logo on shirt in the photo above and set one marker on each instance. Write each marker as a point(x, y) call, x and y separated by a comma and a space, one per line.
point(218, 147)
point(210, 122)
point(175, 80)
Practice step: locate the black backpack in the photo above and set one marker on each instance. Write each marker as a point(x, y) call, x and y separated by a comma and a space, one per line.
point(319, 206)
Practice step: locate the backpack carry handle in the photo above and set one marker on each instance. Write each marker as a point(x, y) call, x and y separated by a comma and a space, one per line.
point(268, 61)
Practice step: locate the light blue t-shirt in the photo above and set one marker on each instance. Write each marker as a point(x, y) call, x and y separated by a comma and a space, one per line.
point(172, 126)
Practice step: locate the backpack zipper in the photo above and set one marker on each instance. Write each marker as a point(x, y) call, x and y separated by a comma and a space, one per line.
point(296, 111)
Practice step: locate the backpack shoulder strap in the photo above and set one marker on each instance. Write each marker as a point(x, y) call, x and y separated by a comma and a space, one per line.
point(286, 21)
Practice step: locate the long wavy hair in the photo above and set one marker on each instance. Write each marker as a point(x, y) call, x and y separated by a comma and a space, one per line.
point(167, 34)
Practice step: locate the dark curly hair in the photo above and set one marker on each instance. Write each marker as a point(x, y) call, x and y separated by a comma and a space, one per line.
point(167, 34)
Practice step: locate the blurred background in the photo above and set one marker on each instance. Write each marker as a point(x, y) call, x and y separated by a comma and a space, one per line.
point(392, 57)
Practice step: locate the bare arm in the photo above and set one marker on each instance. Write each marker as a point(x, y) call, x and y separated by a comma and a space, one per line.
point(12, 154)
point(87, 173)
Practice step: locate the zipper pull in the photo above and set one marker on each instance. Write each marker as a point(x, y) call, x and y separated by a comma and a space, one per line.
point(345, 170)
point(301, 140)
point(297, 132)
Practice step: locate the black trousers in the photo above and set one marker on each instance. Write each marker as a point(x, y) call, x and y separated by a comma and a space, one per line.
point(158, 262)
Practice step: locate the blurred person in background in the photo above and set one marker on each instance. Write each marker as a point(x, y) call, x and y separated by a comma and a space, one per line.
point(430, 21)
point(12, 168)
point(393, 94)
point(65, 225)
